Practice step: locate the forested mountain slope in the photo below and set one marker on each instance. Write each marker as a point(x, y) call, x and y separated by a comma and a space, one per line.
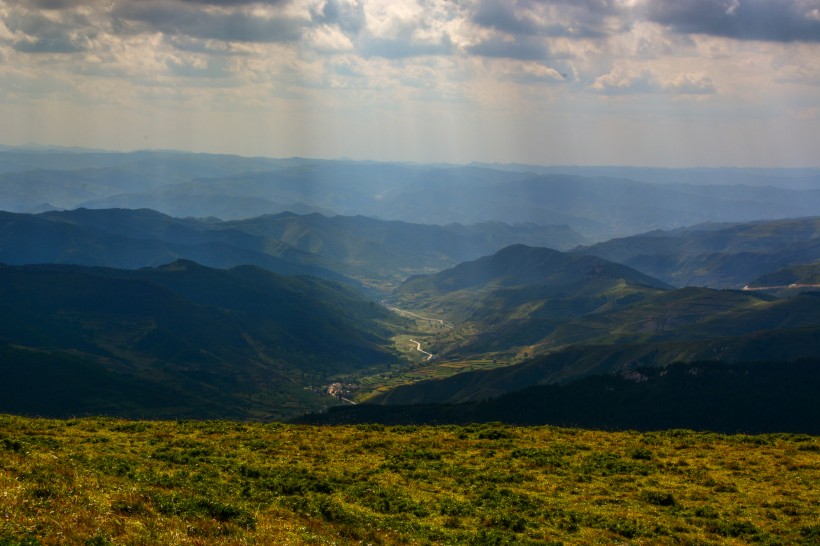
point(181, 340)
point(716, 255)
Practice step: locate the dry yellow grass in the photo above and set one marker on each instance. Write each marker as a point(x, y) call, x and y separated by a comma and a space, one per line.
point(103, 481)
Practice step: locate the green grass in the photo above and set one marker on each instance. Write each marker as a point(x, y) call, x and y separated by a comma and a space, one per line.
point(106, 481)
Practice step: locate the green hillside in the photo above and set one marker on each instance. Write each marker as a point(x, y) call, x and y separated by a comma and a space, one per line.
point(550, 339)
point(576, 362)
point(105, 481)
point(789, 280)
point(716, 255)
point(757, 397)
point(518, 296)
point(524, 301)
point(182, 339)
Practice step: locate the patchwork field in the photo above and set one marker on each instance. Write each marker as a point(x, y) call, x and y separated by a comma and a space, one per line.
point(105, 481)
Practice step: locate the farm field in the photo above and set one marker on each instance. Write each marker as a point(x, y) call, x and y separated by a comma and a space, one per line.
point(106, 481)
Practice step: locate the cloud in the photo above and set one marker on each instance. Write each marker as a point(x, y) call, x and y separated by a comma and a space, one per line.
point(191, 19)
point(201, 46)
point(401, 47)
point(622, 81)
point(557, 18)
point(402, 29)
point(510, 17)
point(48, 44)
point(37, 33)
point(689, 84)
point(230, 3)
point(536, 73)
point(328, 39)
point(523, 49)
point(765, 20)
point(347, 15)
point(212, 67)
point(56, 4)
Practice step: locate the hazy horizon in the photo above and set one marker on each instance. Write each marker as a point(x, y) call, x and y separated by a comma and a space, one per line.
point(57, 148)
point(648, 83)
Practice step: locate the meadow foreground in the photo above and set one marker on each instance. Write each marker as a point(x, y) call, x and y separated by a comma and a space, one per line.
point(106, 481)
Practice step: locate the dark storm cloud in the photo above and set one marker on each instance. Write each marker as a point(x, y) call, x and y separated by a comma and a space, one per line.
point(767, 20)
point(179, 19)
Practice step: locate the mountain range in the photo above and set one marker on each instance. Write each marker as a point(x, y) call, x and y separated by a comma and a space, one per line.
point(254, 283)
point(581, 316)
point(519, 295)
point(718, 255)
point(377, 254)
point(563, 315)
point(599, 203)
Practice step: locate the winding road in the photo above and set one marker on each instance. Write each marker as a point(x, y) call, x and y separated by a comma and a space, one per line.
point(796, 285)
point(397, 310)
point(419, 349)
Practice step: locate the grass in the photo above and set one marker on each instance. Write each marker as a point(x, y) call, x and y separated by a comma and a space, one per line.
point(103, 481)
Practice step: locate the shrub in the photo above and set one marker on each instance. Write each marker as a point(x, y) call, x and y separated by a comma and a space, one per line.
point(659, 498)
point(15, 446)
point(185, 506)
point(607, 464)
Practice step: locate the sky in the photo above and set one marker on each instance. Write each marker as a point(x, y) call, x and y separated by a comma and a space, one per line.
point(669, 83)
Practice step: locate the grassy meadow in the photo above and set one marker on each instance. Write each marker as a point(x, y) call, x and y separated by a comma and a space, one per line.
point(96, 481)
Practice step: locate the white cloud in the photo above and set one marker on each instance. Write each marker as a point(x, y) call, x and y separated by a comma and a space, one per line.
point(623, 81)
point(689, 84)
point(359, 63)
point(327, 39)
point(626, 81)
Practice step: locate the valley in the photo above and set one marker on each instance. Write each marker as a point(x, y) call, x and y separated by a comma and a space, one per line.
point(263, 289)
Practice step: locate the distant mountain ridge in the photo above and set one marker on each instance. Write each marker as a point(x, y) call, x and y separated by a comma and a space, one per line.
point(727, 255)
point(376, 253)
point(598, 202)
point(133, 239)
